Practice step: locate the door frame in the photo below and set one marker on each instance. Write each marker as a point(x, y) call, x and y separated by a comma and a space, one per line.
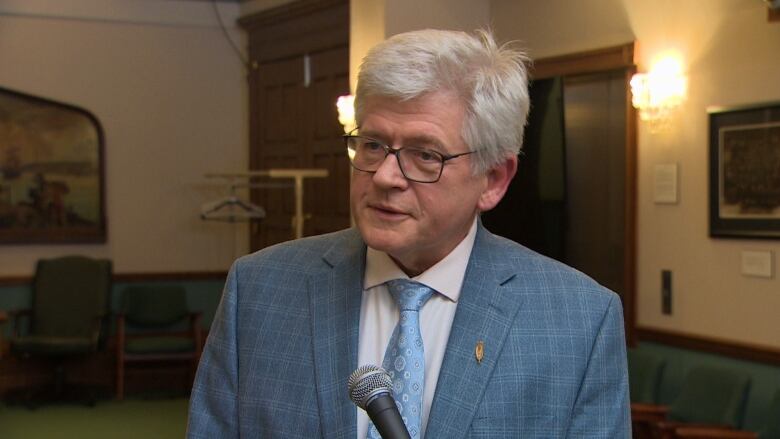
point(593, 61)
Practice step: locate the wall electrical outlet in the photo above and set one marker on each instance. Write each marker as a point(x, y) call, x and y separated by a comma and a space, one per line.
point(666, 292)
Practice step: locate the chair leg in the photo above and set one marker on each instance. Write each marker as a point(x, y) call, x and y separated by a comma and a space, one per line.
point(120, 380)
point(56, 390)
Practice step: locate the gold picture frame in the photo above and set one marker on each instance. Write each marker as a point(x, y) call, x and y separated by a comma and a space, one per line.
point(52, 187)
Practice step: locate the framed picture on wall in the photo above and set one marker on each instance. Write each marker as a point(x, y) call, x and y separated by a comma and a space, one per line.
point(51, 172)
point(745, 171)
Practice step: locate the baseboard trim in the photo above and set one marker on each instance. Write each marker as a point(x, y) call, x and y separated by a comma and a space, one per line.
point(170, 276)
point(738, 350)
point(9, 281)
point(12, 281)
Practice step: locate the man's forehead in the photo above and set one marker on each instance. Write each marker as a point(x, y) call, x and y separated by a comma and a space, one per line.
point(435, 95)
point(425, 117)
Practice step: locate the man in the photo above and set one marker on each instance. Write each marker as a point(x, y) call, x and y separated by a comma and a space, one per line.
point(511, 344)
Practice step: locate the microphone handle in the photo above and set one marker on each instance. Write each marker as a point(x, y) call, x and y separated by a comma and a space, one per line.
point(384, 414)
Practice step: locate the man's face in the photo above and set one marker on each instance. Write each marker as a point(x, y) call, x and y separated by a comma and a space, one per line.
point(418, 224)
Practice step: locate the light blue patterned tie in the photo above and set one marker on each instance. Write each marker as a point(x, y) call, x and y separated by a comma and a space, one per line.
point(405, 357)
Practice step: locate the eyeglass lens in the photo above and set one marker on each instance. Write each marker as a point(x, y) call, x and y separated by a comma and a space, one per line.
point(419, 164)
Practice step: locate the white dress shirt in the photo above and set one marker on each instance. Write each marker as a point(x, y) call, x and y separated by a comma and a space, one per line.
point(379, 314)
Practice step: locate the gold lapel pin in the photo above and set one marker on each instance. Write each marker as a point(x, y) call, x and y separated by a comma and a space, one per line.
point(479, 351)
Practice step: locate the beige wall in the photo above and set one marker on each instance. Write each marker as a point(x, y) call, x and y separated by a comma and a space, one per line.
point(371, 21)
point(733, 57)
point(171, 97)
point(406, 15)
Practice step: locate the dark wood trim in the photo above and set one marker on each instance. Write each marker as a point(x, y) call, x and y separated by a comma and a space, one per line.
point(629, 251)
point(727, 348)
point(773, 14)
point(174, 275)
point(599, 60)
point(285, 12)
point(12, 281)
point(7, 281)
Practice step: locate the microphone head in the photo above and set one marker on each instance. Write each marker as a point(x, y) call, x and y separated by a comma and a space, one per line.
point(367, 382)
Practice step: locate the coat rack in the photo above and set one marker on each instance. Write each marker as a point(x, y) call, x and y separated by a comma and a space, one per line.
point(211, 210)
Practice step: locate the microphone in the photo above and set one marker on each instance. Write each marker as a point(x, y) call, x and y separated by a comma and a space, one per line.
point(371, 388)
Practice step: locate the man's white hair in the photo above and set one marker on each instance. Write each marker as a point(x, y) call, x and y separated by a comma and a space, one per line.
point(491, 80)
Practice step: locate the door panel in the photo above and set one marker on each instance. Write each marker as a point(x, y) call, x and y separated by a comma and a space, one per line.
point(294, 122)
point(595, 126)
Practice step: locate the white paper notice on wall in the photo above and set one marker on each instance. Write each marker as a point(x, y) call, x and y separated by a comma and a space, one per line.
point(665, 184)
point(757, 263)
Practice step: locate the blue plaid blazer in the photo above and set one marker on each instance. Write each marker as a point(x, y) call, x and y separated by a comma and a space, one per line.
point(285, 340)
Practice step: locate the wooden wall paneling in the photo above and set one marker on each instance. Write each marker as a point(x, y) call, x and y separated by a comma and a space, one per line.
point(629, 255)
point(591, 61)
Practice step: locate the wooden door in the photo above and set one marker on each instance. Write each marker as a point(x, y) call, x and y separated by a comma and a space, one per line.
point(609, 99)
point(595, 132)
point(301, 65)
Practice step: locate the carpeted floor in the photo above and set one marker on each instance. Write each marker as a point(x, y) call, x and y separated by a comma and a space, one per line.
point(131, 419)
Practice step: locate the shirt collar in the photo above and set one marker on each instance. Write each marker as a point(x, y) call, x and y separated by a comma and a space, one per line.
point(446, 276)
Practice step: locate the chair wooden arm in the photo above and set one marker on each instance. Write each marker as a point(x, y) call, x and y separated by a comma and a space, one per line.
point(669, 429)
point(644, 417)
point(665, 429)
point(120, 336)
point(648, 412)
point(689, 432)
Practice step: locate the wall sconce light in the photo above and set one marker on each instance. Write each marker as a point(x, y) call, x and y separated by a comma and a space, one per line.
point(658, 92)
point(346, 107)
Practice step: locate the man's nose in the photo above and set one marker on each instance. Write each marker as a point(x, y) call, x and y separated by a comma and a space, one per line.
point(389, 173)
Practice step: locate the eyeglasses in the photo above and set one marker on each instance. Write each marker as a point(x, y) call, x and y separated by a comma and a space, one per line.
point(418, 164)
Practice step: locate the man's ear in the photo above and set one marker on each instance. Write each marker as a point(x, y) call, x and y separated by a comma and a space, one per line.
point(498, 178)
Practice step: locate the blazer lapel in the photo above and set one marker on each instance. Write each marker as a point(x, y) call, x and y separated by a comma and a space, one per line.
point(335, 294)
point(485, 313)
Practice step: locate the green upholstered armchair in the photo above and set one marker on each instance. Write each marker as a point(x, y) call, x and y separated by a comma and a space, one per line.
point(149, 329)
point(709, 397)
point(69, 306)
point(770, 429)
point(645, 371)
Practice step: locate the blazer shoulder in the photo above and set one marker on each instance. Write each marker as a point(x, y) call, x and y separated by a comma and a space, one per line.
point(305, 253)
point(552, 276)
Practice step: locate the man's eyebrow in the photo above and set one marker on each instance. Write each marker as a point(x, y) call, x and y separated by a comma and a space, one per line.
point(372, 134)
point(415, 140)
point(425, 139)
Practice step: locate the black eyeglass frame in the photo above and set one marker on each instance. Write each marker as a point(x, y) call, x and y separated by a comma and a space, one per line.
point(443, 158)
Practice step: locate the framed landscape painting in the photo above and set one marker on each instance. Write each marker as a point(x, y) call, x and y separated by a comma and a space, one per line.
point(51, 172)
point(745, 171)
